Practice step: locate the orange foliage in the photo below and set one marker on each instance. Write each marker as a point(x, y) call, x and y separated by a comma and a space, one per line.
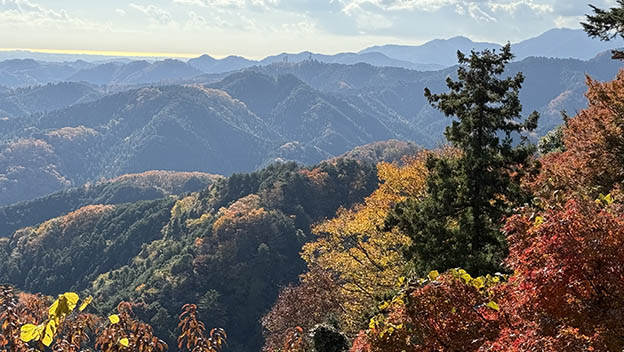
point(594, 140)
point(193, 333)
point(128, 334)
point(567, 293)
point(299, 308)
point(58, 231)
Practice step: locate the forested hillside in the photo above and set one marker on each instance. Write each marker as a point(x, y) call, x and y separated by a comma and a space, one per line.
point(129, 188)
point(304, 112)
point(227, 248)
point(361, 208)
point(190, 128)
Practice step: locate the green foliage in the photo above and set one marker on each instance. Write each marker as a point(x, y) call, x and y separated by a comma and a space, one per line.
point(70, 251)
point(551, 142)
point(606, 25)
point(456, 225)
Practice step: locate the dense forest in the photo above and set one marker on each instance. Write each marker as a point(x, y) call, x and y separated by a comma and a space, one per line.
point(488, 243)
point(195, 247)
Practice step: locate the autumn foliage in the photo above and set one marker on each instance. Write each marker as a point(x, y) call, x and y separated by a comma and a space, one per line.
point(562, 286)
point(566, 252)
point(27, 323)
point(593, 161)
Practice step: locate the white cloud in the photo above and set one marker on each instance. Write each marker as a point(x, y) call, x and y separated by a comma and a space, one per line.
point(29, 14)
point(121, 12)
point(155, 13)
point(240, 4)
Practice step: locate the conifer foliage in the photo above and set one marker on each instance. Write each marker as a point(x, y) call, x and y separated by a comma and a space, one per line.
point(606, 25)
point(457, 225)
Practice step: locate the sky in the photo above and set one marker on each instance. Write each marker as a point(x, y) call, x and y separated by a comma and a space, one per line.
point(258, 28)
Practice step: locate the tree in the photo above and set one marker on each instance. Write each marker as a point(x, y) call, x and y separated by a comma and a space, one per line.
point(606, 25)
point(448, 312)
point(567, 292)
point(456, 225)
point(365, 260)
point(593, 158)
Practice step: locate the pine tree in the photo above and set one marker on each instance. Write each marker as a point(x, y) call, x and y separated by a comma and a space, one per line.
point(457, 224)
point(606, 25)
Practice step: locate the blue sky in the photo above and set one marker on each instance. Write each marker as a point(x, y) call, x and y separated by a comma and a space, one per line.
point(257, 28)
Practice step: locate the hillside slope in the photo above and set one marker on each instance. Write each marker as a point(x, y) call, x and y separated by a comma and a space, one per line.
point(129, 188)
point(241, 123)
point(227, 248)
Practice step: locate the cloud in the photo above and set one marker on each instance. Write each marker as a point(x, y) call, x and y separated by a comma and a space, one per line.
point(238, 4)
point(155, 13)
point(121, 12)
point(25, 13)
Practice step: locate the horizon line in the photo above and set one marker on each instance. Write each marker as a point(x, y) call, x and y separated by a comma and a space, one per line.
point(113, 53)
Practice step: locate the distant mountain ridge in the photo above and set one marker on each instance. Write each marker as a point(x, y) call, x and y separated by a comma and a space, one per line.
point(305, 112)
point(433, 55)
point(556, 43)
point(241, 123)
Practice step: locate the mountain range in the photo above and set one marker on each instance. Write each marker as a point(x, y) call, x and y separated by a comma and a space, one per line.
point(433, 55)
point(305, 112)
point(555, 43)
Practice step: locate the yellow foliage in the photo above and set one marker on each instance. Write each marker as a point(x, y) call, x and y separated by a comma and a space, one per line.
point(64, 305)
point(493, 305)
point(31, 332)
point(124, 342)
point(114, 319)
point(354, 247)
point(85, 303)
point(183, 205)
point(50, 331)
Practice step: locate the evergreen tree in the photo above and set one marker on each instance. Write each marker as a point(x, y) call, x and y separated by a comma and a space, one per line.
point(606, 25)
point(471, 191)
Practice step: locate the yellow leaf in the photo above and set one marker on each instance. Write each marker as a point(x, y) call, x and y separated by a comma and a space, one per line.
point(539, 220)
point(114, 319)
point(493, 305)
point(401, 281)
point(50, 331)
point(124, 342)
point(384, 305)
point(85, 303)
point(64, 305)
point(466, 277)
point(478, 282)
point(609, 199)
point(54, 309)
point(372, 324)
point(72, 299)
point(398, 301)
point(30, 332)
point(433, 275)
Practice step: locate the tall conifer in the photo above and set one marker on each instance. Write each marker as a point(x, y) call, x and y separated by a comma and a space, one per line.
point(457, 224)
